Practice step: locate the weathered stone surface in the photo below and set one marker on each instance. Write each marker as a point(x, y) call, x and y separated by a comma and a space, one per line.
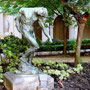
point(46, 82)
point(43, 88)
point(20, 82)
point(28, 82)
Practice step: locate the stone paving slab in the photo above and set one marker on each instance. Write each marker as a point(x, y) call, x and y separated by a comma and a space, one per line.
point(40, 53)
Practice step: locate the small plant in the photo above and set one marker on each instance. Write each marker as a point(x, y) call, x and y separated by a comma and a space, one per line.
point(70, 71)
point(74, 44)
point(63, 75)
point(63, 71)
point(78, 68)
point(61, 65)
point(50, 63)
point(1, 75)
point(51, 71)
point(57, 72)
point(47, 67)
point(13, 65)
point(37, 62)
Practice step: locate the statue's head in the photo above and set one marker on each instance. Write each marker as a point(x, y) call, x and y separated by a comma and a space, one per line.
point(41, 11)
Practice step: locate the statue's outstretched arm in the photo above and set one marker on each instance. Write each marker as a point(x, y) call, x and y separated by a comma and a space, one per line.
point(44, 29)
point(18, 23)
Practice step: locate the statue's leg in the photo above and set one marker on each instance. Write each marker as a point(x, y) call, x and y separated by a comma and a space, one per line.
point(31, 58)
point(32, 40)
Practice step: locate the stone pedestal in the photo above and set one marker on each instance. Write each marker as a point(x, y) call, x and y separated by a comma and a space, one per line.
point(28, 82)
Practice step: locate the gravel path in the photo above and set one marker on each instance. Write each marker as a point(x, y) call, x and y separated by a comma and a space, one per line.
point(62, 58)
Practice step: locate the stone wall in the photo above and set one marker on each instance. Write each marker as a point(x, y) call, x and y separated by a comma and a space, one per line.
point(86, 32)
point(7, 26)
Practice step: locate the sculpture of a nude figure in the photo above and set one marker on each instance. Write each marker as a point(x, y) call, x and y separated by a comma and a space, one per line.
point(24, 24)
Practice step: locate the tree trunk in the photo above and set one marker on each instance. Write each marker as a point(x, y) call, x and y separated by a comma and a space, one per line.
point(81, 27)
point(65, 39)
point(65, 34)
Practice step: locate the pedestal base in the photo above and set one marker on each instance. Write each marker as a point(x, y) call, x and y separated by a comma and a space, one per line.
point(28, 82)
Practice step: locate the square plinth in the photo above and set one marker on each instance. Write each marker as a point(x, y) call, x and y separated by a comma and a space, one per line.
point(28, 82)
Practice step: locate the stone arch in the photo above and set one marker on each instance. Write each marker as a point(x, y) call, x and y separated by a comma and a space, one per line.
point(38, 31)
point(58, 30)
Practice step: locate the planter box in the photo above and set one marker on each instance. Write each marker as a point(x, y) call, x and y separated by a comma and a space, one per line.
point(86, 47)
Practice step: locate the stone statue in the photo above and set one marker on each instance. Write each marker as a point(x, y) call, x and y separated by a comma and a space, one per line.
point(24, 23)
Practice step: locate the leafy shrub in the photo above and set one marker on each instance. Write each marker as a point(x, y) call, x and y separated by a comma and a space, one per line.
point(55, 42)
point(39, 41)
point(1, 75)
point(12, 47)
point(58, 45)
point(71, 44)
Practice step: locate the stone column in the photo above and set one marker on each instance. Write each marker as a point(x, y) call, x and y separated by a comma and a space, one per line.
point(44, 38)
point(11, 23)
point(51, 31)
point(1, 23)
point(16, 32)
point(73, 30)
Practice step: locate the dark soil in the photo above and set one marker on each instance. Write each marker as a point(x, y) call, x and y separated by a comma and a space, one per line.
point(79, 81)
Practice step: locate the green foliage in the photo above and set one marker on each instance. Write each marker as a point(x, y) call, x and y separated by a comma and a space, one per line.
point(89, 10)
point(57, 45)
point(61, 65)
point(13, 65)
point(39, 41)
point(60, 69)
point(50, 63)
point(2, 61)
point(12, 47)
point(55, 42)
point(85, 42)
point(53, 6)
point(71, 44)
point(38, 62)
point(1, 75)
point(70, 71)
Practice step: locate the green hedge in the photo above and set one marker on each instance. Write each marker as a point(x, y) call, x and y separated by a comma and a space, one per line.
point(17, 45)
point(13, 44)
point(58, 45)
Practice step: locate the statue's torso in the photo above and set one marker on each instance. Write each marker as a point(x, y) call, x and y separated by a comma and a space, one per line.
point(28, 19)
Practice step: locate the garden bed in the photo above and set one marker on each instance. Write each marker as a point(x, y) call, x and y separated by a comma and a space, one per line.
point(79, 81)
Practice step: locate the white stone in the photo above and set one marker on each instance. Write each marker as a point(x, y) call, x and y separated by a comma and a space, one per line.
point(28, 82)
point(42, 88)
point(73, 30)
point(1, 23)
